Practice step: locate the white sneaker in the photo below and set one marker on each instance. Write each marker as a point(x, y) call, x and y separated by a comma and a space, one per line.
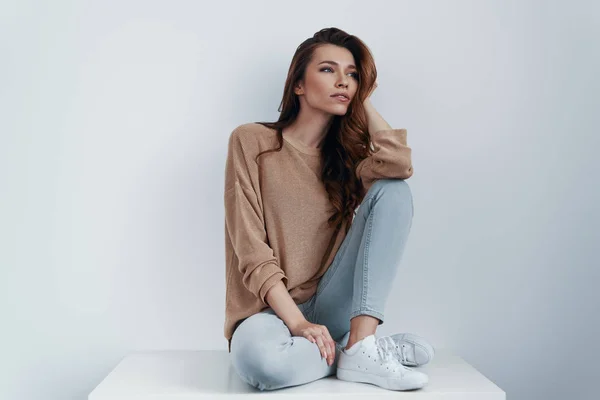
point(414, 350)
point(375, 361)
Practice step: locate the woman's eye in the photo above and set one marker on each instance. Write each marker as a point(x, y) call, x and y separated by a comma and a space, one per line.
point(353, 73)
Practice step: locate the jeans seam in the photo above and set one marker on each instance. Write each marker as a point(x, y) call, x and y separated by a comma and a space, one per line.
point(366, 257)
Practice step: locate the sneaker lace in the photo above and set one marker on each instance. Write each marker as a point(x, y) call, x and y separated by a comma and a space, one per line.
point(389, 354)
point(402, 352)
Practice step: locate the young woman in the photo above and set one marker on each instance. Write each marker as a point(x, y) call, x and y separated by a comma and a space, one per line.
point(307, 274)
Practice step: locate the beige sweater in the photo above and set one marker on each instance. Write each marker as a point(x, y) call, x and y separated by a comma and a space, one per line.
point(276, 218)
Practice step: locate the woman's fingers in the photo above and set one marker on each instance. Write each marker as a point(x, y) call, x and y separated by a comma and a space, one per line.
point(321, 337)
point(327, 345)
point(332, 356)
point(330, 353)
point(322, 346)
point(330, 343)
point(312, 338)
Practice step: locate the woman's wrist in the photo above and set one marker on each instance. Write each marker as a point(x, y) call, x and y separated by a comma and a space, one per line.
point(284, 306)
point(295, 323)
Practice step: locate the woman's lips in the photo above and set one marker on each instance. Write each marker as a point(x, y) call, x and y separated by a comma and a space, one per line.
point(341, 98)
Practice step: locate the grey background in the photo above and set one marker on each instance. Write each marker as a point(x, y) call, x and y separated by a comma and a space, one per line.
point(114, 123)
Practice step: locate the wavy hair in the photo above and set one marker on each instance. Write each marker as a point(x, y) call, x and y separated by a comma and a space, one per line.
point(347, 141)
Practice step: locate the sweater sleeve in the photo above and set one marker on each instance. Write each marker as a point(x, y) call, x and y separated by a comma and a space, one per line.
point(244, 222)
point(390, 158)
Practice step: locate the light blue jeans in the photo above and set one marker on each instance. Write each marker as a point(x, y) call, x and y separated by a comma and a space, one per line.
point(263, 351)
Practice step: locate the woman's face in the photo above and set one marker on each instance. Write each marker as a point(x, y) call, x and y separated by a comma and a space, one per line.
point(330, 71)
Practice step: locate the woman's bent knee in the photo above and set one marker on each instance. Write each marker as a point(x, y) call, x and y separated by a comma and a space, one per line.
point(397, 186)
point(261, 366)
point(257, 352)
point(396, 192)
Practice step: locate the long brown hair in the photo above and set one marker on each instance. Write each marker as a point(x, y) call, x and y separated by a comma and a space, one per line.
point(347, 139)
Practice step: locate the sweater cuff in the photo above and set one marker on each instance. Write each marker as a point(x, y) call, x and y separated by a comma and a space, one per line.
point(276, 275)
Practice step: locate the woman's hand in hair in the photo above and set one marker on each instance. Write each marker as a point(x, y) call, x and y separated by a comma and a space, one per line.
point(319, 335)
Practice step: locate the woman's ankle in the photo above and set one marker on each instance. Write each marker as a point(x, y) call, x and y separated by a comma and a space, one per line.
point(360, 327)
point(353, 339)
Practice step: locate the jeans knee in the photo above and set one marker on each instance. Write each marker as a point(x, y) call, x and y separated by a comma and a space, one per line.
point(259, 365)
point(396, 189)
point(397, 186)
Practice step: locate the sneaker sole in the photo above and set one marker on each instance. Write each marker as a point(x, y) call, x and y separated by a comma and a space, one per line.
point(386, 383)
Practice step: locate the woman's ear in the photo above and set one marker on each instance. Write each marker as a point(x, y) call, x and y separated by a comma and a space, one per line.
point(298, 89)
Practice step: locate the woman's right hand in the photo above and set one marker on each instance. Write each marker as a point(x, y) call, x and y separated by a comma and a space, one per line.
point(319, 335)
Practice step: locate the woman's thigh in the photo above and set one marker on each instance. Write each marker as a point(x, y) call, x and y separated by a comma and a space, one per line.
point(266, 355)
